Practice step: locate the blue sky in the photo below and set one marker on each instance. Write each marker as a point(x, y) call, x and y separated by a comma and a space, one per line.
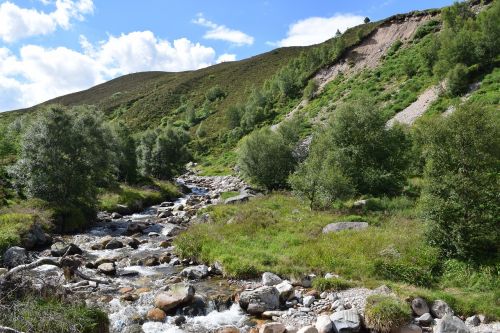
point(54, 47)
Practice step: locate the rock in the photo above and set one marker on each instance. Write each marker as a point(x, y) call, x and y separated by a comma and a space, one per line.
point(346, 321)
point(151, 261)
point(359, 203)
point(259, 300)
point(165, 244)
point(471, 321)
point(324, 324)
point(116, 215)
point(270, 279)
point(411, 328)
point(195, 272)
point(107, 268)
point(59, 249)
point(35, 238)
point(271, 314)
point(104, 260)
point(130, 297)
point(307, 280)
point(97, 247)
point(179, 320)
point(134, 243)
point(308, 329)
point(164, 214)
point(419, 306)
point(425, 319)
point(165, 258)
point(450, 324)
point(15, 256)
point(113, 244)
point(340, 226)
point(153, 234)
point(238, 199)
point(166, 204)
point(272, 328)
point(331, 276)
point(308, 301)
point(156, 314)
point(176, 296)
point(3, 271)
point(291, 329)
point(227, 329)
point(197, 307)
point(134, 228)
point(285, 290)
point(440, 308)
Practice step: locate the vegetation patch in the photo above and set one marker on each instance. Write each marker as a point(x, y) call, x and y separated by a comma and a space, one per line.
point(12, 227)
point(333, 284)
point(384, 314)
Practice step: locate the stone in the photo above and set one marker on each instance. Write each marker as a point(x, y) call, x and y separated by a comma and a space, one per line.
point(165, 244)
point(244, 197)
point(59, 249)
point(440, 308)
point(324, 324)
point(340, 226)
point(130, 297)
point(134, 243)
point(166, 204)
point(125, 290)
point(411, 328)
point(473, 321)
point(425, 319)
point(450, 324)
point(291, 329)
point(272, 328)
point(116, 215)
point(113, 244)
point(419, 306)
point(227, 329)
point(285, 290)
point(359, 203)
point(176, 296)
point(308, 301)
point(270, 279)
point(259, 300)
point(107, 268)
point(179, 320)
point(35, 238)
point(195, 272)
point(104, 260)
point(271, 314)
point(308, 329)
point(151, 261)
point(165, 258)
point(346, 321)
point(164, 214)
point(15, 256)
point(307, 280)
point(3, 271)
point(156, 314)
point(97, 247)
point(196, 307)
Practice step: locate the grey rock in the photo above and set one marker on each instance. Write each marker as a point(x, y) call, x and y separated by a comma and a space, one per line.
point(3, 271)
point(178, 295)
point(346, 321)
point(59, 249)
point(116, 215)
point(450, 324)
point(419, 306)
point(15, 256)
point(324, 324)
point(107, 268)
point(308, 329)
point(285, 290)
point(473, 321)
point(340, 226)
point(195, 272)
point(308, 301)
point(411, 328)
point(238, 199)
point(113, 244)
point(440, 308)
point(260, 300)
point(425, 319)
point(272, 328)
point(270, 279)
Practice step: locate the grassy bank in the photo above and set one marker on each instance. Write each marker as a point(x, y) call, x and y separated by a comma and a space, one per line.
point(132, 198)
point(278, 233)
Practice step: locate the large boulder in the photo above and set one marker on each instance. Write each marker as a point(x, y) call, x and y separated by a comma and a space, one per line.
point(156, 314)
point(113, 244)
point(270, 279)
point(346, 321)
point(15, 256)
point(450, 324)
point(238, 199)
point(272, 328)
point(308, 329)
point(440, 308)
point(285, 290)
point(195, 272)
point(59, 249)
point(324, 324)
point(340, 226)
point(419, 306)
point(107, 268)
point(178, 295)
point(35, 238)
point(259, 300)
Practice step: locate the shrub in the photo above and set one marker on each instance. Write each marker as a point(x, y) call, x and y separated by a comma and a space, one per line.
point(386, 313)
point(334, 284)
point(458, 81)
point(214, 94)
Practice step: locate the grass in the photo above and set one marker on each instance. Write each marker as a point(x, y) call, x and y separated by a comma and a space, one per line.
point(333, 284)
point(383, 314)
point(227, 195)
point(278, 233)
point(128, 199)
point(12, 227)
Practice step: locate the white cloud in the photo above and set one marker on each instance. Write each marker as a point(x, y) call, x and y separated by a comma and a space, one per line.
point(17, 23)
point(314, 30)
point(226, 57)
point(39, 73)
point(221, 32)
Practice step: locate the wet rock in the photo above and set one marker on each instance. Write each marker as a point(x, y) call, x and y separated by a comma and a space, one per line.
point(166, 204)
point(195, 272)
point(227, 329)
point(107, 268)
point(272, 328)
point(151, 261)
point(130, 297)
point(153, 234)
point(165, 258)
point(135, 228)
point(425, 319)
point(156, 314)
point(179, 320)
point(259, 300)
point(324, 324)
point(308, 329)
point(15, 256)
point(116, 215)
point(113, 244)
point(176, 296)
point(450, 324)
point(164, 214)
point(270, 279)
point(165, 244)
point(440, 308)
point(340, 226)
point(104, 260)
point(59, 249)
point(196, 307)
point(125, 290)
point(346, 321)
point(419, 306)
point(97, 247)
point(134, 243)
point(411, 328)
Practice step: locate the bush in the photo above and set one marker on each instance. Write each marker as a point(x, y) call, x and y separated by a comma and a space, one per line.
point(266, 159)
point(461, 191)
point(386, 313)
point(458, 80)
point(333, 284)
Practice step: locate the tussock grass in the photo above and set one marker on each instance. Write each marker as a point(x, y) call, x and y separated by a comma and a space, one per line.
point(333, 284)
point(384, 314)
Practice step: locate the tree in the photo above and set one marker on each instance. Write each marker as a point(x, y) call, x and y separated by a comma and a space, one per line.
point(65, 156)
point(461, 195)
point(266, 159)
point(125, 150)
point(338, 33)
point(366, 20)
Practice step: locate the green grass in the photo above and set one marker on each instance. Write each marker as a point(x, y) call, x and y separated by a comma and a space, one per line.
point(227, 195)
point(42, 315)
point(386, 313)
point(333, 284)
point(12, 227)
point(128, 199)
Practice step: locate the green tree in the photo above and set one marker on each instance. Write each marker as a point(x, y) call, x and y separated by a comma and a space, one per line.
point(457, 80)
point(461, 195)
point(125, 149)
point(266, 158)
point(65, 156)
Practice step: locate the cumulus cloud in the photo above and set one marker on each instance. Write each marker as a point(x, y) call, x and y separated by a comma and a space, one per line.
point(221, 32)
point(314, 30)
point(17, 23)
point(38, 73)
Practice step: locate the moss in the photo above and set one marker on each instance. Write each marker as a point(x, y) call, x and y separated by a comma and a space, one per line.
point(383, 314)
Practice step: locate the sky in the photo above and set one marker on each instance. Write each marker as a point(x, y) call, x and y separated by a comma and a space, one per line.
point(50, 48)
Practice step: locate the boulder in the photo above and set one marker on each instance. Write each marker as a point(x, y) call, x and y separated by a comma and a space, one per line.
point(35, 238)
point(134, 243)
point(164, 214)
point(346, 321)
point(272, 328)
point(179, 320)
point(59, 249)
point(238, 199)
point(340, 226)
point(440, 308)
point(156, 314)
point(471, 321)
point(410, 328)
point(259, 300)
point(177, 295)
point(308, 301)
point(227, 329)
point(116, 215)
point(166, 204)
point(285, 290)
point(195, 272)
point(419, 306)
point(113, 244)
point(3, 271)
point(308, 329)
point(425, 319)
point(151, 261)
point(165, 258)
point(324, 324)
point(270, 279)
point(15, 256)
point(197, 307)
point(450, 324)
point(107, 268)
